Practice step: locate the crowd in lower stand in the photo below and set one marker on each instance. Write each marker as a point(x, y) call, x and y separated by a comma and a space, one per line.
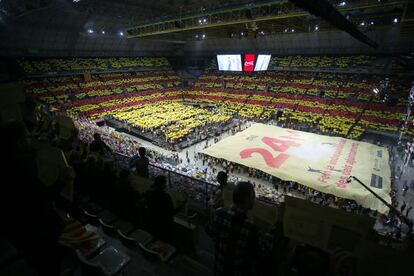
point(84, 165)
point(268, 188)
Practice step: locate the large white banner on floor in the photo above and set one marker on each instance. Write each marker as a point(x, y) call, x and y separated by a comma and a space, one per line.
point(323, 163)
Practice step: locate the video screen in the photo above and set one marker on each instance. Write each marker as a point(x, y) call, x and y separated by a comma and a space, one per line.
point(248, 62)
point(229, 62)
point(262, 62)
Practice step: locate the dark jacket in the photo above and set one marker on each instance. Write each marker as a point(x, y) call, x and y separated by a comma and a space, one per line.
point(160, 213)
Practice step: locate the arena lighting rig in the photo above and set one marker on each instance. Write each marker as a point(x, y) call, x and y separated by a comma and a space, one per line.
point(265, 15)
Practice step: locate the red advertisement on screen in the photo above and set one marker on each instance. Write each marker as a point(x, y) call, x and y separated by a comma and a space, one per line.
point(248, 62)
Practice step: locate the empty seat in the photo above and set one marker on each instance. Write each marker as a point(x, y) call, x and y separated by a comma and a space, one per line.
point(127, 241)
point(92, 208)
point(107, 217)
point(149, 254)
point(107, 228)
point(123, 226)
point(141, 236)
point(108, 262)
point(89, 267)
point(91, 218)
point(164, 250)
point(111, 260)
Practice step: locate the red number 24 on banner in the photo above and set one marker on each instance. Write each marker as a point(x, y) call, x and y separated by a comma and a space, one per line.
point(277, 145)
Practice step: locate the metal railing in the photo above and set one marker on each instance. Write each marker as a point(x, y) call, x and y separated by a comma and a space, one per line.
point(198, 190)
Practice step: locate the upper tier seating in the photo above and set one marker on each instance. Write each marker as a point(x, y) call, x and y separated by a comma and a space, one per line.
point(337, 104)
point(60, 65)
point(339, 62)
point(360, 63)
point(333, 104)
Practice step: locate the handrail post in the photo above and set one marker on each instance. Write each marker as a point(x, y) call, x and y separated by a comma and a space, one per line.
point(206, 195)
point(169, 179)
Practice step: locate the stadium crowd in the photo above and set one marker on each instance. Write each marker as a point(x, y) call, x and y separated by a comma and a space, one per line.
point(89, 167)
point(333, 104)
point(267, 187)
point(89, 64)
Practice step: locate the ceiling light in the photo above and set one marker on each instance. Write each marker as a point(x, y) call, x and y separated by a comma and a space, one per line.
point(395, 20)
point(121, 33)
point(90, 31)
point(203, 36)
point(103, 32)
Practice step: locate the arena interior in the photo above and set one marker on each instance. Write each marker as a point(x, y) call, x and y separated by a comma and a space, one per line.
point(209, 137)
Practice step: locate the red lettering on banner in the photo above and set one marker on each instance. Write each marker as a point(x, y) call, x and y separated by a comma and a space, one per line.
point(279, 145)
point(341, 182)
point(332, 162)
point(346, 172)
point(270, 160)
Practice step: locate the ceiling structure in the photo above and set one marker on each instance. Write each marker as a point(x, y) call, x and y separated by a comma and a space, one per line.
point(273, 17)
point(174, 27)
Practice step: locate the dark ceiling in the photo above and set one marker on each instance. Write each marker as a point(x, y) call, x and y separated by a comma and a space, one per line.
point(60, 27)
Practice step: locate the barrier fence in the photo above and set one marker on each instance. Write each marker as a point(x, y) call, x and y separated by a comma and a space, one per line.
point(196, 189)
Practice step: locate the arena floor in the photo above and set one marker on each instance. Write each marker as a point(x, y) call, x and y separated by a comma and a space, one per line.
point(406, 177)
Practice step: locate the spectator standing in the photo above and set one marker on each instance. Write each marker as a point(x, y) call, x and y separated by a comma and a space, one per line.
point(408, 211)
point(403, 207)
point(218, 199)
point(98, 145)
point(159, 209)
point(404, 189)
point(141, 162)
point(234, 234)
